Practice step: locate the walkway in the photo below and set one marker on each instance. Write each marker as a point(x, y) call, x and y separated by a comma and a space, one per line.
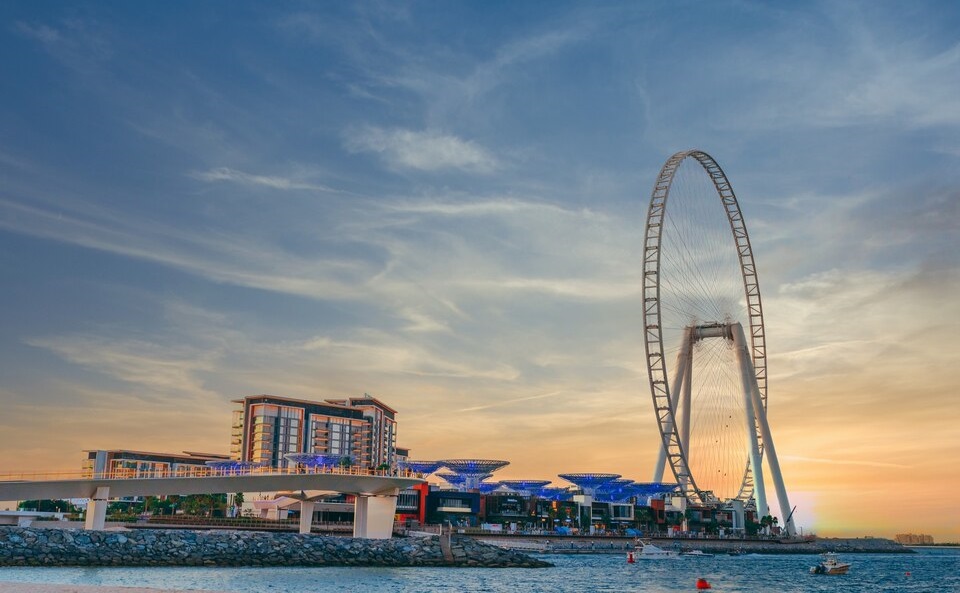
point(375, 507)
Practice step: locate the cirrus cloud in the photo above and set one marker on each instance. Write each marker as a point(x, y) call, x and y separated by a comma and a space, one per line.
point(427, 150)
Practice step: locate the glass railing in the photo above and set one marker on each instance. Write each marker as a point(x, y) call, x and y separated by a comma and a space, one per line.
point(201, 472)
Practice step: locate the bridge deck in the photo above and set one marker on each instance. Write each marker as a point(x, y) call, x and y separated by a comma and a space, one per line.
point(65, 485)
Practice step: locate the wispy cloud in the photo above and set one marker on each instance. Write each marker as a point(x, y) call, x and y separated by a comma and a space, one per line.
point(509, 402)
point(853, 73)
point(242, 261)
point(156, 368)
point(81, 45)
point(421, 150)
point(844, 462)
point(591, 289)
point(483, 207)
point(379, 352)
point(248, 179)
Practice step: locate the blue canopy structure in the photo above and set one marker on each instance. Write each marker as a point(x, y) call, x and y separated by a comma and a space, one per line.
point(452, 478)
point(474, 471)
point(525, 486)
point(487, 487)
point(618, 490)
point(473, 467)
point(317, 459)
point(420, 467)
point(231, 464)
point(557, 494)
point(648, 489)
point(590, 481)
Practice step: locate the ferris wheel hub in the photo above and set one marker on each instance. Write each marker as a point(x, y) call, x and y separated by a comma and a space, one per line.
point(712, 330)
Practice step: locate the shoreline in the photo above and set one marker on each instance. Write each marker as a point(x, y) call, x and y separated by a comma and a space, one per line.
point(616, 545)
point(21, 546)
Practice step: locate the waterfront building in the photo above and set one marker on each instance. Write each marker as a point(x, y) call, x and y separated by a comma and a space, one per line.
point(412, 505)
point(361, 431)
point(913, 539)
point(461, 509)
point(143, 464)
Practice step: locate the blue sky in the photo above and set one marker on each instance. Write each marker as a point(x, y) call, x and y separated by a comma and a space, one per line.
point(442, 204)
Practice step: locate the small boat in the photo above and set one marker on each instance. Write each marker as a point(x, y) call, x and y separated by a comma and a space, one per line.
point(696, 554)
point(830, 565)
point(648, 551)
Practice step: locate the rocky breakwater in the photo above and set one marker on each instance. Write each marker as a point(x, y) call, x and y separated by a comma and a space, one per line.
point(68, 547)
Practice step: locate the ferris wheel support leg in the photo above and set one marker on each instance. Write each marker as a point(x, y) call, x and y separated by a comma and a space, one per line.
point(771, 451)
point(749, 381)
point(774, 464)
point(772, 461)
point(685, 406)
point(683, 361)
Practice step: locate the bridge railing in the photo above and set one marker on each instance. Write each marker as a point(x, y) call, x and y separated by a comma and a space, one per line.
point(200, 472)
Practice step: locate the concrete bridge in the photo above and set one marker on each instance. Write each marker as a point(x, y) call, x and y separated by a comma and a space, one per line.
point(375, 492)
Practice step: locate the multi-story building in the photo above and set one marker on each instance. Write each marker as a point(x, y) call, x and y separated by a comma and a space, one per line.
point(913, 539)
point(362, 430)
point(143, 464)
point(382, 420)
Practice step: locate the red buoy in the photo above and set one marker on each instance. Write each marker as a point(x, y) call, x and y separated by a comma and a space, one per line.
point(630, 558)
point(703, 584)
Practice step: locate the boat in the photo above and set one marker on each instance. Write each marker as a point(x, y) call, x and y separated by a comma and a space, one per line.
point(696, 554)
point(830, 564)
point(648, 551)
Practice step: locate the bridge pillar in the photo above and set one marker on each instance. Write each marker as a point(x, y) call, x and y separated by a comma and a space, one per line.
point(97, 509)
point(373, 516)
point(306, 515)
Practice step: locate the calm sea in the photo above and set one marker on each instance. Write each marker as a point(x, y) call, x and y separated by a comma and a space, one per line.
point(928, 570)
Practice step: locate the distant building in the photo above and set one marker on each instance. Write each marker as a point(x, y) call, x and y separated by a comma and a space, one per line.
point(268, 427)
point(135, 464)
point(913, 539)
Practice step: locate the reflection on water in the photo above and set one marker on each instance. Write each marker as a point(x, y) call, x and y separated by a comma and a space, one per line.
point(928, 570)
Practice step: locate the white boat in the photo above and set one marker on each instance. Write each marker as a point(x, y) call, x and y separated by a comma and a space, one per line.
point(697, 554)
point(830, 565)
point(648, 551)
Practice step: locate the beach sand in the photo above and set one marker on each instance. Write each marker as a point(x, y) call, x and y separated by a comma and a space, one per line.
point(7, 587)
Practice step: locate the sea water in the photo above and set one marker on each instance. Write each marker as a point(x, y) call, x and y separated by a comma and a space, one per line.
point(930, 569)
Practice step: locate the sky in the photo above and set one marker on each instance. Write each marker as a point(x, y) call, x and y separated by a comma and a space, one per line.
point(442, 204)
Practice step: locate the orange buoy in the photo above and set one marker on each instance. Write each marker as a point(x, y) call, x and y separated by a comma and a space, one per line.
point(908, 573)
point(630, 558)
point(703, 584)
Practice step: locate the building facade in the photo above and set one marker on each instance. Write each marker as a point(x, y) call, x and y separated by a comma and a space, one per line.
point(124, 463)
point(360, 431)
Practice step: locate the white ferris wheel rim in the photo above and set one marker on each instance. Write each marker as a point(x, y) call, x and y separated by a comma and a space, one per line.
point(657, 365)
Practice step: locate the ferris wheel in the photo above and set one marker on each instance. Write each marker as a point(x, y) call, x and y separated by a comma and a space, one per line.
point(705, 339)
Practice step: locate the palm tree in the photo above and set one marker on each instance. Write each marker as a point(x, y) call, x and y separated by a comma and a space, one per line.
point(644, 518)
